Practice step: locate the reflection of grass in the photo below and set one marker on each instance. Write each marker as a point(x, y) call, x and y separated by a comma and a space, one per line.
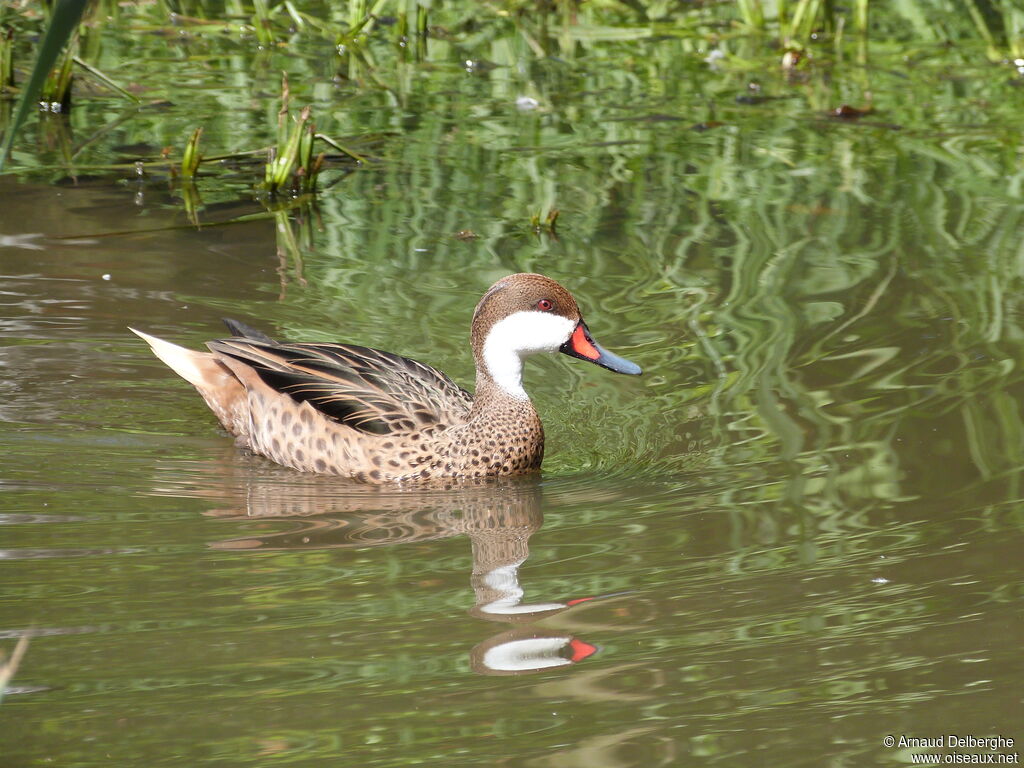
point(10, 666)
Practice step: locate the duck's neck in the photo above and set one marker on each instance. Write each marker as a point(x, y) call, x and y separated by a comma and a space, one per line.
point(500, 369)
point(507, 395)
point(507, 423)
point(499, 383)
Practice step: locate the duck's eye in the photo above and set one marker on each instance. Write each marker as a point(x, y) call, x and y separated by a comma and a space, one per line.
point(545, 305)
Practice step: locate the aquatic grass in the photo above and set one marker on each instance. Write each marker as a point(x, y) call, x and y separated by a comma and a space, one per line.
point(283, 159)
point(1001, 25)
point(799, 22)
point(291, 164)
point(6, 57)
point(416, 32)
point(64, 18)
point(262, 22)
point(554, 27)
point(351, 44)
point(860, 16)
point(806, 16)
point(106, 79)
point(752, 13)
point(55, 95)
point(191, 157)
point(544, 222)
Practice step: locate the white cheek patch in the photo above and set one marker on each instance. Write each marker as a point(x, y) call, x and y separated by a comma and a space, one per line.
point(520, 334)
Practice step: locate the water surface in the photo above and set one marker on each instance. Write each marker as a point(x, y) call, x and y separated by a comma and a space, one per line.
point(798, 533)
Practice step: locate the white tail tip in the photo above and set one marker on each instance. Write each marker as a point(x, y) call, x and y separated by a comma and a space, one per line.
point(185, 362)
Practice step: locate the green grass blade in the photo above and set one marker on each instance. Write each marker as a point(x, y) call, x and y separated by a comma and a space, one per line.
point(860, 17)
point(63, 22)
point(983, 29)
point(110, 83)
point(752, 13)
point(191, 157)
point(328, 140)
point(6, 57)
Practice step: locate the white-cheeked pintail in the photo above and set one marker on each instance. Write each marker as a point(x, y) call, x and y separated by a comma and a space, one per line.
point(381, 418)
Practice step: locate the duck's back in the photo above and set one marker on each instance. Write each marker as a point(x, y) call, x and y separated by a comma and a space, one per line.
point(338, 408)
point(368, 390)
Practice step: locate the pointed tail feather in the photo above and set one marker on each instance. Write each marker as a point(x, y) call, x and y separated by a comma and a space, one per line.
point(222, 390)
point(198, 368)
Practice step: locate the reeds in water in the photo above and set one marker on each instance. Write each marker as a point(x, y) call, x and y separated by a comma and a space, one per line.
point(191, 157)
point(6, 57)
point(291, 164)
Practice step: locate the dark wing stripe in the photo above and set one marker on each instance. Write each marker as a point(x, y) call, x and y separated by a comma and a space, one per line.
point(306, 389)
point(367, 389)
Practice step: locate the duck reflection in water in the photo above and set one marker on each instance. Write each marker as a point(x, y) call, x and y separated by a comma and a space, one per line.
point(497, 515)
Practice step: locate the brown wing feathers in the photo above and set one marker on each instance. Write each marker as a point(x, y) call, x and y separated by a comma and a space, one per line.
point(367, 389)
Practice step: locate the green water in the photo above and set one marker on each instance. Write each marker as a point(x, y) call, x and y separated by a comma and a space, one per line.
point(803, 523)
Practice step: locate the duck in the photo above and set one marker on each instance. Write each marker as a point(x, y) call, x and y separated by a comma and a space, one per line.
point(381, 418)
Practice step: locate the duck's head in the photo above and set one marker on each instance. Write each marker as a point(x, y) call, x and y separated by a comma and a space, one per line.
point(525, 313)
